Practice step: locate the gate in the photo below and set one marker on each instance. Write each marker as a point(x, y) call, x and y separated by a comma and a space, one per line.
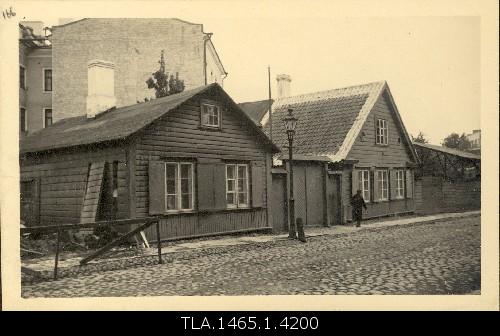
point(334, 201)
point(29, 202)
point(278, 202)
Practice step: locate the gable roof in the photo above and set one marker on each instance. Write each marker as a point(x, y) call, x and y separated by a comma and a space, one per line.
point(447, 150)
point(330, 121)
point(257, 109)
point(118, 123)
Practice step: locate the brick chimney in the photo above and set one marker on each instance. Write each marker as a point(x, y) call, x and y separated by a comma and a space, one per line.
point(283, 85)
point(101, 87)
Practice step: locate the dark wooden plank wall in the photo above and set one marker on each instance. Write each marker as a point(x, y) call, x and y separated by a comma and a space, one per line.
point(63, 178)
point(192, 225)
point(434, 195)
point(368, 153)
point(394, 155)
point(178, 135)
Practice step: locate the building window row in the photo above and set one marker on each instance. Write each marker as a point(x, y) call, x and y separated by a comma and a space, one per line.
point(23, 118)
point(179, 186)
point(47, 79)
point(381, 186)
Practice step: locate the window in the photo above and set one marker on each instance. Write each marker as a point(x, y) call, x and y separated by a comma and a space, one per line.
point(400, 184)
point(237, 185)
point(364, 184)
point(383, 185)
point(382, 134)
point(210, 115)
point(47, 80)
point(22, 77)
point(179, 186)
point(47, 117)
point(23, 120)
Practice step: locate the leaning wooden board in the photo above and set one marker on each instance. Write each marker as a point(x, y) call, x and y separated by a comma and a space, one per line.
point(92, 192)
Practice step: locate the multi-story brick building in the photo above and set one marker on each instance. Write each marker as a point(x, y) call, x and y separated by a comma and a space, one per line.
point(35, 78)
point(134, 47)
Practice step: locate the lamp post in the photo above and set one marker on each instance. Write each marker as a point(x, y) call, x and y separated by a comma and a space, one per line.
point(290, 123)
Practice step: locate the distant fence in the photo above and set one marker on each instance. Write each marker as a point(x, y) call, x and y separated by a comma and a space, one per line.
point(435, 195)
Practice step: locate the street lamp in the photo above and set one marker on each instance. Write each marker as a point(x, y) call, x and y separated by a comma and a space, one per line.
point(290, 123)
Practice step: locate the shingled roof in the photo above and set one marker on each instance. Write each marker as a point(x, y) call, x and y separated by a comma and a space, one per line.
point(116, 124)
point(257, 109)
point(329, 121)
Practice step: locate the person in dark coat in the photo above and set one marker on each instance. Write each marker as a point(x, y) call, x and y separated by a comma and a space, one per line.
point(358, 203)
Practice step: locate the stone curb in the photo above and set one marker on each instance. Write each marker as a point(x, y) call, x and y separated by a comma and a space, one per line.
point(140, 261)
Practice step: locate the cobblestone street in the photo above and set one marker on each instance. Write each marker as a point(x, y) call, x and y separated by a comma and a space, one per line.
point(431, 258)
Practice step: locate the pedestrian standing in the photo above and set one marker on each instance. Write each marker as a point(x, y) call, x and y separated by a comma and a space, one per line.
point(358, 203)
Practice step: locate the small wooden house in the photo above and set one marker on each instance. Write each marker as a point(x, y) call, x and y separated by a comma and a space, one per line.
point(194, 158)
point(346, 139)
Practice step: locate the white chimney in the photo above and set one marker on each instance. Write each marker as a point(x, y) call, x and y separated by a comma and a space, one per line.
point(283, 85)
point(101, 87)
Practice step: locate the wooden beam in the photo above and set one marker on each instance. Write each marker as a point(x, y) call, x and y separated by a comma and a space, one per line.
point(65, 227)
point(117, 241)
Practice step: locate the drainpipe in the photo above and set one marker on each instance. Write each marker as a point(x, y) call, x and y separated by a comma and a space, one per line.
point(222, 80)
point(206, 38)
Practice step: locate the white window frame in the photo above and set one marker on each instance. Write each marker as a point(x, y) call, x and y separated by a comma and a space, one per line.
point(25, 118)
point(178, 193)
point(25, 79)
point(235, 192)
point(362, 174)
point(382, 133)
point(400, 183)
point(217, 108)
point(43, 115)
point(378, 174)
point(43, 80)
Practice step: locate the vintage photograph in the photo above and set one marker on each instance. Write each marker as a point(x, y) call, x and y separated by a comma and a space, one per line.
point(185, 155)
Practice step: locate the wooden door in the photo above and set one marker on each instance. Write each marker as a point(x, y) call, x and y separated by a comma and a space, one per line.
point(29, 199)
point(334, 200)
point(278, 203)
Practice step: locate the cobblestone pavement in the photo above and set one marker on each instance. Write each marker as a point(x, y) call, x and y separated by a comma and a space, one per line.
point(431, 258)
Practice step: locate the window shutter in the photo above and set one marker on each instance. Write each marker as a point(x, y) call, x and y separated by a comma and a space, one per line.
point(156, 187)
point(258, 179)
point(409, 184)
point(393, 183)
point(376, 187)
point(219, 184)
point(354, 182)
point(205, 185)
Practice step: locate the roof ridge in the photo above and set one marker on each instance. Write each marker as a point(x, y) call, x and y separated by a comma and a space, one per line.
point(332, 93)
point(256, 101)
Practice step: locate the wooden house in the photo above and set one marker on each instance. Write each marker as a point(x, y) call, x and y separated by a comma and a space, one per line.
point(194, 158)
point(346, 139)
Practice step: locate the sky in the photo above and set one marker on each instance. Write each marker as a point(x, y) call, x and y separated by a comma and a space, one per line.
point(431, 63)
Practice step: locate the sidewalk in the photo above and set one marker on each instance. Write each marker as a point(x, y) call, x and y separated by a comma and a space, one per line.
point(190, 249)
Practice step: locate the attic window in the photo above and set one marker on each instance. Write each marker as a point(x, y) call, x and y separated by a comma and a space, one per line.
point(210, 115)
point(382, 132)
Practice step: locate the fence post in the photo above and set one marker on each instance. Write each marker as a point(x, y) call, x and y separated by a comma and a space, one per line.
point(56, 260)
point(158, 240)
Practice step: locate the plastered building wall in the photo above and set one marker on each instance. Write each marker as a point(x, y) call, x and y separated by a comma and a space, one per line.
point(134, 46)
